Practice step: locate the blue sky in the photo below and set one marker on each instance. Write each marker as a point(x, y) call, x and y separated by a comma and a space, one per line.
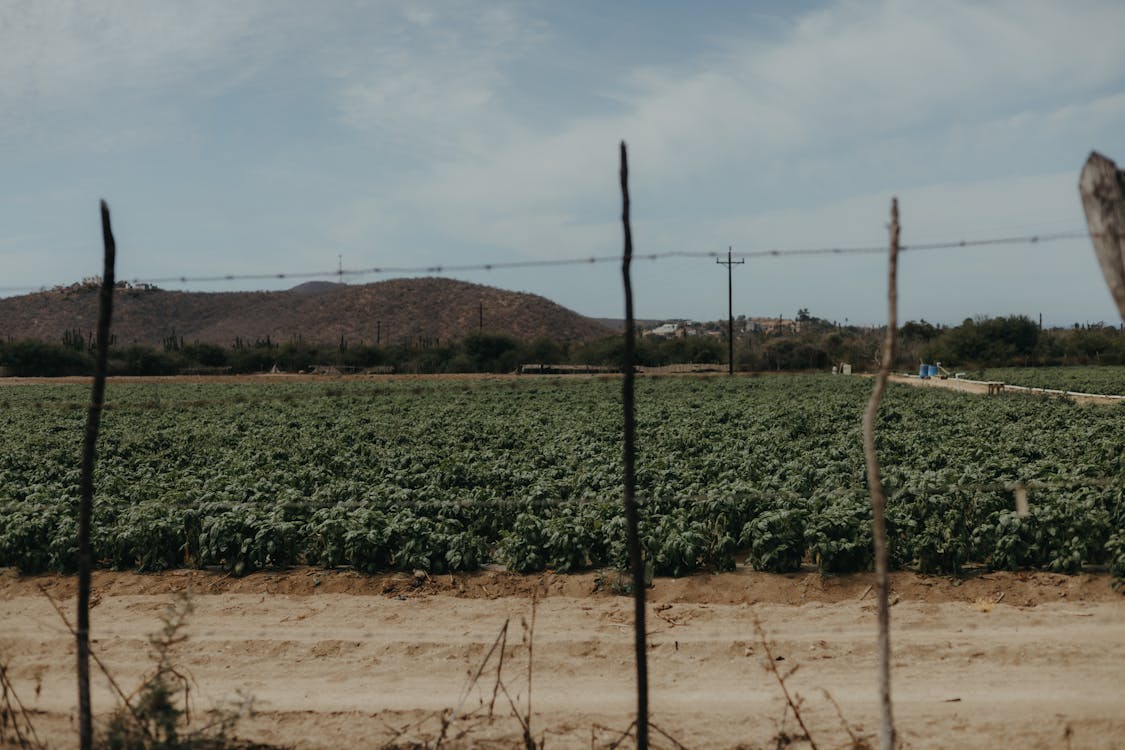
point(269, 136)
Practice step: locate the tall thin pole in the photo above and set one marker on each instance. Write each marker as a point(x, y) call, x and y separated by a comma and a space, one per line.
point(86, 487)
point(632, 536)
point(887, 736)
point(730, 307)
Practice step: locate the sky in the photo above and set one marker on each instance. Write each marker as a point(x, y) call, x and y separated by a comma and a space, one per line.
point(281, 136)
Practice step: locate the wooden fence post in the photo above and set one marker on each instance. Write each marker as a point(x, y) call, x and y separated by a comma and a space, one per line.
point(636, 561)
point(887, 737)
point(1102, 186)
point(86, 487)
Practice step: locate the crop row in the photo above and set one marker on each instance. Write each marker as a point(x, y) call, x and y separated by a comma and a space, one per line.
point(773, 534)
point(527, 473)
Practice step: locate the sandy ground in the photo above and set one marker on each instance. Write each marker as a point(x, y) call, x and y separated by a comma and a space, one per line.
point(336, 659)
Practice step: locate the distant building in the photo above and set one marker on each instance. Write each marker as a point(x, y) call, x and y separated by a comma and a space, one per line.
point(686, 328)
point(772, 325)
point(666, 330)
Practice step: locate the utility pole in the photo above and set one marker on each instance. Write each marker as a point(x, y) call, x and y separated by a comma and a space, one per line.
point(730, 307)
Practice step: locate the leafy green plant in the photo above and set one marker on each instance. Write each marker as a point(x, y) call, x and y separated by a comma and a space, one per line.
point(464, 550)
point(148, 538)
point(522, 548)
point(675, 544)
point(776, 540)
point(248, 538)
point(37, 537)
point(1059, 536)
point(929, 531)
point(569, 542)
point(1009, 540)
point(450, 476)
point(366, 543)
point(839, 538)
point(1115, 551)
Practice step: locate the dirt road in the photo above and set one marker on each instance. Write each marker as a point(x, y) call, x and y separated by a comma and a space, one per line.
point(334, 659)
point(981, 388)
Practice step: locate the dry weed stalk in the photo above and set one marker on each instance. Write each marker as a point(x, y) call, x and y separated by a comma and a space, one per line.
point(770, 663)
point(621, 738)
point(125, 699)
point(858, 743)
point(529, 636)
point(150, 716)
point(472, 719)
point(16, 727)
point(675, 743)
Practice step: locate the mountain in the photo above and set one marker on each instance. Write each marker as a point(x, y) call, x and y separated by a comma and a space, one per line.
point(394, 311)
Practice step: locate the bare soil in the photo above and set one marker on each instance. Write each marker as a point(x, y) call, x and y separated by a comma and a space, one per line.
point(338, 659)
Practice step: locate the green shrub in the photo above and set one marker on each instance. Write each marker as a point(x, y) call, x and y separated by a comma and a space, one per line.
point(776, 540)
point(839, 538)
point(247, 538)
point(522, 548)
point(1115, 552)
point(36, 537)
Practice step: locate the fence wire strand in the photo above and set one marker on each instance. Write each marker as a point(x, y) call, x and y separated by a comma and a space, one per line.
point(993, 242)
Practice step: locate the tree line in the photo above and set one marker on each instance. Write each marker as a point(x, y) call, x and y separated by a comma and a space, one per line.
point(813, 344)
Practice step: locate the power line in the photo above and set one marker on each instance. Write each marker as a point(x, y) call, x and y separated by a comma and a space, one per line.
point(340, 272)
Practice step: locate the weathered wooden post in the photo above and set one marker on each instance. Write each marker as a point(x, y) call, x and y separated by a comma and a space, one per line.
point(1102, 186)
point(632, 535)
point(887, 736)
point(86, 486)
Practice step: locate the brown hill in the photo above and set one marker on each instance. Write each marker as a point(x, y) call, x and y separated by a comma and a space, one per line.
point(394, 311)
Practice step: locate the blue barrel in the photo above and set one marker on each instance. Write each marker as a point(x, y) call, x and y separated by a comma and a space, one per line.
point(933, 371)
point(923, 371)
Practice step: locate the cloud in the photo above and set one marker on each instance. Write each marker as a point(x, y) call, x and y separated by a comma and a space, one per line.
point(117, 75)
point(896, 62)
point(749, 124)
point(59, 49)
point(431, 130)
point(432, 75)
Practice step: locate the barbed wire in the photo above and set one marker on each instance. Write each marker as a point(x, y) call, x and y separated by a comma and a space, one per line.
point(1029, 239)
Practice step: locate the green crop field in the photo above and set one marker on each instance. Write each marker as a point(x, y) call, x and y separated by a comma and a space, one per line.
point(1108, 380)
point(449, 475)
